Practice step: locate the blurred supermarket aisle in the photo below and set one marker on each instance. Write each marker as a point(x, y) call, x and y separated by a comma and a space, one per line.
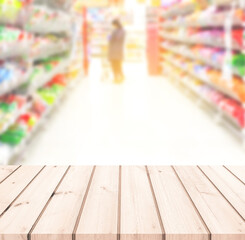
point(144, 120)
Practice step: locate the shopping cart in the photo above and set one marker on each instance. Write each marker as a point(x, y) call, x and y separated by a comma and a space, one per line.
point(106, 73)
point(106, 70)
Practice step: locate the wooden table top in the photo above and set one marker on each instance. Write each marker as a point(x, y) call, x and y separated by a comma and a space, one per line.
point(127, 203)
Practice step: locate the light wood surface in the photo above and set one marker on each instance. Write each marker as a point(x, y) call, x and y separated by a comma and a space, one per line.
point(177, 211)
point(18, 220)
point(139, 217)
point(15, 184)
point(122, 203)
point(6, 171)
point(232, 189)
point(59, 218)
point(222, 220)
point(100, 213)
point(238, 171)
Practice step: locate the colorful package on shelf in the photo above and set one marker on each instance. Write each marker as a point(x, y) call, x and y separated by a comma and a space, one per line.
point(39, 107)
point(200, 69)
point(12, 74)
point(234, 109)
point(9, 106)
point(29, 120)
point(53, 89)
point(238, 63)
point(58, 79)
point(19, 100)
point(12, 11)
point(218, 57)
point(44, 47)
point(50, 65)
point(48, 96)
point(46, 20)
point(5, 74)
point(239, 88)
point(13, 38)
point(14, 135)
point(216, 96)
point(237, 37)
point(64, 4)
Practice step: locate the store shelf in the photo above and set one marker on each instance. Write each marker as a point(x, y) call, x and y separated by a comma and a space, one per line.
point(36, 40)
point(21, 49)
point(44, 78)
point(213, 42)
point(205, 80)
point(197, 47)
point(182, 9)
point(15, 116)
point(10, 85)
point(226, 118)
point(17, 150)
point(48, 21)
point(195, 56)
point(179, 10)
point(49, 29)
point(209, 21)
point(49, 51)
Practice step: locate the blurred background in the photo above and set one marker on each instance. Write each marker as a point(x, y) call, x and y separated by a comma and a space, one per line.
point(180, 99)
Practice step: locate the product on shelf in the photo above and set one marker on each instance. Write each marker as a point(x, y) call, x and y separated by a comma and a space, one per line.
point(44, 47)
point(14, 38)
point(52, 90)
point(36, 48)
point(238, 63)
point(44, 20)
point(230, 108)
point(13, 11)
point(14, 135)
point(10, 107)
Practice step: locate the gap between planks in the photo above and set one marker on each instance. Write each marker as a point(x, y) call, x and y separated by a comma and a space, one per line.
point(19, 194)
point(83, 204)
point(155, 202)
point(46, 205)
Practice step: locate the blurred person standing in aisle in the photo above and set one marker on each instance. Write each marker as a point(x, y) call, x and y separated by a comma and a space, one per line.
point(116, 50)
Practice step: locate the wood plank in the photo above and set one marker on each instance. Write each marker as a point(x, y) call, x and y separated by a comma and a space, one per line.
point(139, 216)
point(228, 185)
point(17, 221)
point(15, 184)
point(179, 216)
point(220, 217)
point(100, 213)
point(238, 171)
point(5, 171)
point(59, 218)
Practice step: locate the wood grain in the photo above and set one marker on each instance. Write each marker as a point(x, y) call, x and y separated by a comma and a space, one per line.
point(238, 171)
point(180, 219)
point(232, 189)
point(100, 213)
point(26, 209)
point(59, 218)
point(139, 217)
point(15, 184)
point(122, 203)
point(5, 171)
point(222, 220)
